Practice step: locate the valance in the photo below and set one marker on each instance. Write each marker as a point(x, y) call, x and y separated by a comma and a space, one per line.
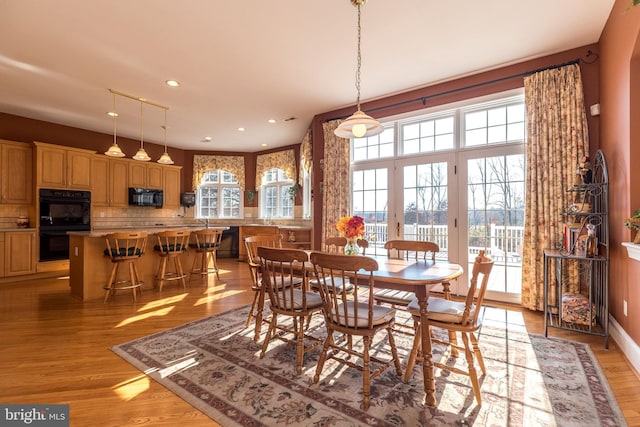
point(203, 164)
point(284, 160)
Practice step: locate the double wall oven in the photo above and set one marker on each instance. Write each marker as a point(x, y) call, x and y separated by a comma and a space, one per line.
point(61, 211)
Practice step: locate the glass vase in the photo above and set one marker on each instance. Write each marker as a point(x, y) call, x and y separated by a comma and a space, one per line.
point(351, 248)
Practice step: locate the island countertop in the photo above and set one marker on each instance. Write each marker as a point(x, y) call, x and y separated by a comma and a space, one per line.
point(150, 229)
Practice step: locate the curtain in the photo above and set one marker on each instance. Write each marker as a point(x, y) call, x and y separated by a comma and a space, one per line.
point(203, 164)
point(305, 156)
point(558, 138)
point(336, 194)
point(284, 160)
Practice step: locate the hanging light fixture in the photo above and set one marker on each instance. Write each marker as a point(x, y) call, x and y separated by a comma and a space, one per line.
point(114, 150)
point(141, 154)
point(165, 159)
point(359, 124)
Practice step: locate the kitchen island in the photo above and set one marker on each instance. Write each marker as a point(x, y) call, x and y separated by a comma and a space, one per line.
point(89, 268)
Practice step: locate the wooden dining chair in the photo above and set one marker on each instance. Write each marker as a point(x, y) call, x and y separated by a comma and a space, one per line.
point(253, 261)
point(287, 297)
point(354, 315)
point(405, 249)
point(334, 245)
point(457, 317)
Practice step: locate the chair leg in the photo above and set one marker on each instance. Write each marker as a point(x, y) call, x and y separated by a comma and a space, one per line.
point(132, 278)
point(179, 271)
point(477, 353)
point(270, 332)
point(300, 346)
point(214, 261)
point(161, 270)
point(472, 368)
point(328, 342)
point(394, 352)
point(112, 278)
point(366, 372)
point(413, 355)
point(254, 304)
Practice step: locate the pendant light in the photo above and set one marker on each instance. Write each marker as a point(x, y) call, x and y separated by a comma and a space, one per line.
point(141, 155)
point(165, 159)
point(114, 150)
point(359, 124)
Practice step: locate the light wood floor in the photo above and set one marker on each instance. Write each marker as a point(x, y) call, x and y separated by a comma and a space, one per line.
point(55, 349)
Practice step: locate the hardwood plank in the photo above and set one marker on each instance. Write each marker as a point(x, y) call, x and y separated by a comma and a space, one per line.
point(56, 348)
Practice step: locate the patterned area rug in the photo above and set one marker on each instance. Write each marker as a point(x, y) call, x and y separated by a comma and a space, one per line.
point(214, 364)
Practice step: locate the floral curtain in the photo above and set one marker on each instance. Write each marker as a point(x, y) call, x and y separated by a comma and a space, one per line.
point(558, 138)
point(305, 155)
point(284, 160)
point(336, 194)
point(203, 164)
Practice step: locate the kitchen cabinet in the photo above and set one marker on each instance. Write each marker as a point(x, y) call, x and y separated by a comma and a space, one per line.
point(145, 175)
point(19, 253)
point(16, 182)
point(296, 237)
point(62, 167)
point(171, 186)
point(109, 182)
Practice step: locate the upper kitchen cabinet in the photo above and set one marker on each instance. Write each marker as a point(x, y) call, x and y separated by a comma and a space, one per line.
point(145, 175)
point(16, 180)
point(109, 181)
point(171, 186)
point(62, 167)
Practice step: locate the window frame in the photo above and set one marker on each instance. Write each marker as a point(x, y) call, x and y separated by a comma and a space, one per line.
point(220, 186)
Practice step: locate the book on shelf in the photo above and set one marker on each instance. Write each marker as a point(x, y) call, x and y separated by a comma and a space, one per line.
point(571, 235)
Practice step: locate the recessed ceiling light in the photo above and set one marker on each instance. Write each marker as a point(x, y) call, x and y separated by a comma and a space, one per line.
point(172, 83)
point(272, 120)
point(206, 139)
point(264, 145)
point(241, 129)
point(112, 114)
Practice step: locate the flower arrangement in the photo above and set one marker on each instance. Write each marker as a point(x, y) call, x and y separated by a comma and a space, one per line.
point(633, 223)
point(351, 227)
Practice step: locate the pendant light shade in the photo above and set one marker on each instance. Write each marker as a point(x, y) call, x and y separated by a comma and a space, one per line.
point(141, 155)
point(165, 159)
point(359, 124)
point(114, 150)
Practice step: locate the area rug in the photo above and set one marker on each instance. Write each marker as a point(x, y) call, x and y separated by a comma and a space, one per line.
point(214, 364)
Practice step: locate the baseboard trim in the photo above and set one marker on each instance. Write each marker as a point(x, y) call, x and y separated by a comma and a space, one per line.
point(628, 346)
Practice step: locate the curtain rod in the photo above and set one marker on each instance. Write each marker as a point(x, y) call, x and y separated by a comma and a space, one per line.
point(424, 99)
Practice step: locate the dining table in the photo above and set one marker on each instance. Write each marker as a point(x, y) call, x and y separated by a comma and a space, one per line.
point(415, 275)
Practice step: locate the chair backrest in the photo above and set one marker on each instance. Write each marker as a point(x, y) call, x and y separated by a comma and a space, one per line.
point(206, 240)
point(475, 297)
point(335, 244)
point(252, 243)
point(363, 244)
point(336, 300)
point(279, 268)
point(404, 249)
point(121, 246)
point(172, 241)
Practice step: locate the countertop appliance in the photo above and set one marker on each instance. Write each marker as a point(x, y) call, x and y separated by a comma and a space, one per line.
point(145, 197)
point(61, 211)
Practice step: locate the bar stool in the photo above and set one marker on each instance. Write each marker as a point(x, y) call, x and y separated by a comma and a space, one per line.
point(206, 246)
point(171, 244)
point(124, 248)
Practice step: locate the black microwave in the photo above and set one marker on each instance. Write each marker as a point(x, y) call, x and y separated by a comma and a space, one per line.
point(145, 197)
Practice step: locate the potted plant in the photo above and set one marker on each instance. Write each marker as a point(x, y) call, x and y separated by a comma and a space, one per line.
point(293, 190)
point(633, 223)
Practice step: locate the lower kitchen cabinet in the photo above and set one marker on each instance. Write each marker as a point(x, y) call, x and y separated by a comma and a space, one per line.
point(19, 255)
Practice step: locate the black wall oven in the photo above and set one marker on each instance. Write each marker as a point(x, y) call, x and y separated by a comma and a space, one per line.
point(61, 211)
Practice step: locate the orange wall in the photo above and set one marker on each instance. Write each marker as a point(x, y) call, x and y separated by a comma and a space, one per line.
point(620, 136)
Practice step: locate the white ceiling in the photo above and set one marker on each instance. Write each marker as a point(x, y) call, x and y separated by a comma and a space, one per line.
point(241, 63)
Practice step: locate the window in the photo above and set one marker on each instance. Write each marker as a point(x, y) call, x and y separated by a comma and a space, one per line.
point(453, 175)
point(276, 199)
point(219, 196)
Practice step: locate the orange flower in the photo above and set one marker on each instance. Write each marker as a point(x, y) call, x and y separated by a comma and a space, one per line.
point(351, 227)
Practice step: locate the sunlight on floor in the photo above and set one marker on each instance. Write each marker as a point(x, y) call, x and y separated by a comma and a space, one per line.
point(216, 296)
point(133, 319)
point(164, 301)
point(131, 388)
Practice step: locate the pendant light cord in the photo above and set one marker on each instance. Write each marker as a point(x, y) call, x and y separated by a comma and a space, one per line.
point(141, 126)
point(115, 118)
point(359, 61)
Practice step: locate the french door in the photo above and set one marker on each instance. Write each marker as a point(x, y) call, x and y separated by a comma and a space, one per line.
point(465, 202)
